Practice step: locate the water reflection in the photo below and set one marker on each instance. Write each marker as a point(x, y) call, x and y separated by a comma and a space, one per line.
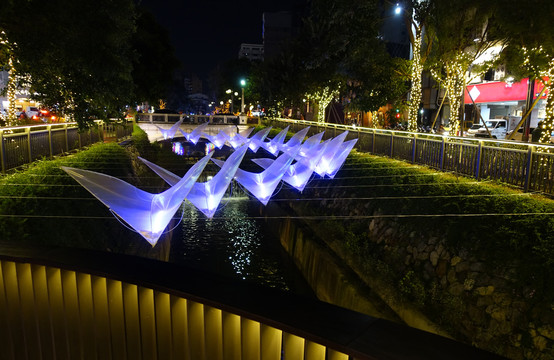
point(232, 244)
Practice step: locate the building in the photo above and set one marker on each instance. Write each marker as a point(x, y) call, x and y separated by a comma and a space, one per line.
point(278, 29)
point(253, 52)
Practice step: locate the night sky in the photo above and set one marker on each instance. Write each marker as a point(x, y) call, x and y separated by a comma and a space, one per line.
point(207, 32)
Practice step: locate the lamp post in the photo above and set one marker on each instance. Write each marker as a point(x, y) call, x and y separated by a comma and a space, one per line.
point(229, 91)
point(242, 85)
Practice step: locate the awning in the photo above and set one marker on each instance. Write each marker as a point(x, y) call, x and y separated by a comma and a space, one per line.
point(500, 91)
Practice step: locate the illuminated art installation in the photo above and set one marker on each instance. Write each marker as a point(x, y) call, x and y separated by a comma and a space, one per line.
point(257, 140)
point(273, 145)
point(310, 143)
point(339, 158)
point(206, 196)
point(262, 185)
point(220, 138)
point(170, 133)
point(195, 134)
point(299, 173)
point(148, 214)
point(295, 140)
point(333, 147)
point(237, 140)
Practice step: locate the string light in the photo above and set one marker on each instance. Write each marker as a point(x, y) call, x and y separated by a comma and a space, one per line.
point(532, 58)
point(415, 76)
point(323, 97)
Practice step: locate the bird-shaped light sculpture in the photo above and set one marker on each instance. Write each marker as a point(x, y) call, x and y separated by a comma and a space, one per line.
point(146, 213)
point(206, 196)
point(170, 133)
point(195, 134)
point(262, 185)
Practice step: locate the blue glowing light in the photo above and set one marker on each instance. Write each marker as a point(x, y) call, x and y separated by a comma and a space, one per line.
point(170, 133)
point(195, 134)
point(148, 214)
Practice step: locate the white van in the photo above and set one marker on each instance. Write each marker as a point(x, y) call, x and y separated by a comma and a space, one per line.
point(497, 127)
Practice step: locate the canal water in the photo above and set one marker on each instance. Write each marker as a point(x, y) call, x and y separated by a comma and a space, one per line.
point(235, 242)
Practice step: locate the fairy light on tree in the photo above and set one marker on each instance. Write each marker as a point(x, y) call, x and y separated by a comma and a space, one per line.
point(415, 76)
point(11, 86)
point(323, 98)
point(454, 79)
point(416, 21)
point(540, 63)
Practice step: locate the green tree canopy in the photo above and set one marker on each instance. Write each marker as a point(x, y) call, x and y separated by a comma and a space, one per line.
point(87, 59)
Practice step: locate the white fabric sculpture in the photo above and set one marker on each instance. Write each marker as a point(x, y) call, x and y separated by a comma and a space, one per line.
point(147, 213)
point(257, 140)
point(262, 185)
point(299, 173)
point(195, 134)
point(339, 158)
point(333, 147)
point(206, 196)
point(295, 140)
point(274, 145)
point(310, 143)
point(221, 137)
point(237, 140)
point(170, 133)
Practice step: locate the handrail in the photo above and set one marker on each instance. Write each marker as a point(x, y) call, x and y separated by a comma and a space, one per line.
point(512, 162)
point(61, 302)
point(20, 145)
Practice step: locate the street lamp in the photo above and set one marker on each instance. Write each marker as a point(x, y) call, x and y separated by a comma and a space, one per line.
point(242, 85)
point(229, 91)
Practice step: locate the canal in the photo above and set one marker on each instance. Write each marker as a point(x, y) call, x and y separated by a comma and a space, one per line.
point(235, 242)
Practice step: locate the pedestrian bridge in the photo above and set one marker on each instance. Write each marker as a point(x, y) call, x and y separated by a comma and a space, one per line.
point(81, 304)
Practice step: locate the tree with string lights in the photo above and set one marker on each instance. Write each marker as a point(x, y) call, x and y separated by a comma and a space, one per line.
point(464, 31)
point(530, 49)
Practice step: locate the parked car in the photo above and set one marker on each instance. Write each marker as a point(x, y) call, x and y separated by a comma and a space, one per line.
point(473, 129)
point(31, 111)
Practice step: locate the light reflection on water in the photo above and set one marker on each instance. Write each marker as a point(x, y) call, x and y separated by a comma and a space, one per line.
point(232, 244)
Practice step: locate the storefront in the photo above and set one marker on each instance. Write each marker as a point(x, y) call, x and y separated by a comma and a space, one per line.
point(496, 100)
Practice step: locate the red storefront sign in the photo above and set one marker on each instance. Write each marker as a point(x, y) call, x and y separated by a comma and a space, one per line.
point(500, 91)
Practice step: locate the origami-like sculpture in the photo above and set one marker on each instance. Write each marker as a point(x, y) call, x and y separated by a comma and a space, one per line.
point(148, 214)
point(195, 134)
point(206, 196)
point(339, 158)
point(295, 140)
point(262, 185)
point(237, 140)
point(274, 145)
point(257, 140)
point(299, 173)
point(333, 147)
point(170, 133)
point(310, 143)
point(221, 137)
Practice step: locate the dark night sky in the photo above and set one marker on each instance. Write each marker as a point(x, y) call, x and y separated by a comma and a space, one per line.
point(206, 32)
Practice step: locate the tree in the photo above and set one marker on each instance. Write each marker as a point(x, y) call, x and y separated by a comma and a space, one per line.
point(421, 38)
point(465, 30)
point(75, 55)
point(154, 60)
point(530, 48)
point(344, 51)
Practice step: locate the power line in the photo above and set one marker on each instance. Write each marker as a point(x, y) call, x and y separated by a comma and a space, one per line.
point(314, 217)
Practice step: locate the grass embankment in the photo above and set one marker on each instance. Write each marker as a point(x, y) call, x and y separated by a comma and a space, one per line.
point(42, 205)
point(387, 217)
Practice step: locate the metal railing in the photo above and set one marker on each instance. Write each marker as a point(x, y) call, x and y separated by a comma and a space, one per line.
point(83, 304)
point(515, 163)
point(190, 119)
point(24, 144)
